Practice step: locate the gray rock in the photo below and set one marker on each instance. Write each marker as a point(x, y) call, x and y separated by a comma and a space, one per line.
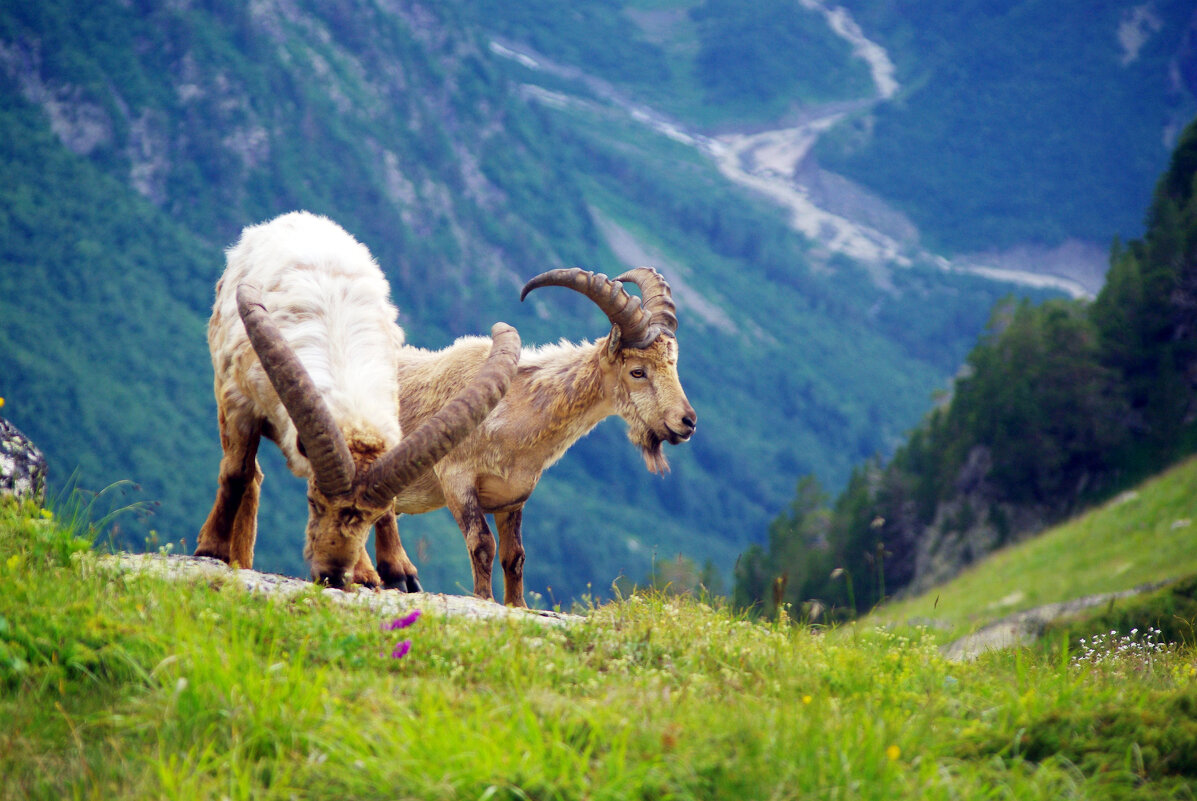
point(1024, 628)
point(177, 567)
point(22, 465)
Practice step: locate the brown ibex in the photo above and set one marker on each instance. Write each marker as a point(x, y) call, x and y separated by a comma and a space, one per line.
point(560, 392)
point(305, 347)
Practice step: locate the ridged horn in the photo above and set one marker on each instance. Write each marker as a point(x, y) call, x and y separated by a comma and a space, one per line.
point(332, 466)
point(624, 311)
point(656, 296)
point(424, 447)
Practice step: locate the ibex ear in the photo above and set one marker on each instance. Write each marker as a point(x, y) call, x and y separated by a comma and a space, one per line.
point(613, 342)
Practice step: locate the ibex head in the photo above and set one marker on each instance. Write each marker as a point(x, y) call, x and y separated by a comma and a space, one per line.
point(641, 354)
point(352, 484)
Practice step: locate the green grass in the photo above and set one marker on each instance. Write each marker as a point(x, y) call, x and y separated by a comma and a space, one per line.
point(133, 687)
point(1142, 537)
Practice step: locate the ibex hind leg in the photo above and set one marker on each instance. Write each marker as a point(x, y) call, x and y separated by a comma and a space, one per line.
point(396, 571)
point(245, 524)
point(231, 528)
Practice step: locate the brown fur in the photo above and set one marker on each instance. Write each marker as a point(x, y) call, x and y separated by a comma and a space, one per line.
point(337, 528)
point(558, 395)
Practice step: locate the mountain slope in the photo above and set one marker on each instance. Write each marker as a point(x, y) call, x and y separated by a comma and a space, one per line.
point(143, 139)
point(100, 348)
point(1017, 124)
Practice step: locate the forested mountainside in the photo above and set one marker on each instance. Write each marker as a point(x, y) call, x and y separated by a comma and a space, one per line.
point(1059, 406)
point(1008, 111)
point(141, 137)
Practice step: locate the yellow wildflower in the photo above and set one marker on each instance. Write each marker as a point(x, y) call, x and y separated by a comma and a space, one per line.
point(893, 752)
point(806, 699)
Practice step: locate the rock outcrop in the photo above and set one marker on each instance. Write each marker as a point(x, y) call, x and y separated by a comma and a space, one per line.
point(22, 465)
point(177, 567)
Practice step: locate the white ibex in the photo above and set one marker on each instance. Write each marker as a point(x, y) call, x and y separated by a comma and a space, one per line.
point(304, 345)
point(559, 394)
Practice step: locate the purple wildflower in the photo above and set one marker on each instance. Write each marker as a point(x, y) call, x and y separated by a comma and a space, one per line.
point(402, 622)
point(401, 649)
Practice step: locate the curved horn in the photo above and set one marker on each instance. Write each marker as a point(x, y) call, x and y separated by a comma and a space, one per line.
point(332, 466)
point(656, 296)
point(633, 320)
point(424, 447)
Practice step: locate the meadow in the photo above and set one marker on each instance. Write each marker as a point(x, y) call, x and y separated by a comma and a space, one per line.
point(1143, 537)
point(129, 686)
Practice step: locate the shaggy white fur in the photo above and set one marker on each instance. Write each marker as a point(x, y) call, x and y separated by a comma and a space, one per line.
point(332, 303)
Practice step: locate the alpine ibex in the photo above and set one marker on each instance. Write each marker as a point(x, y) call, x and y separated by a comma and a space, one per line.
point(560, 392)
point(305, 346)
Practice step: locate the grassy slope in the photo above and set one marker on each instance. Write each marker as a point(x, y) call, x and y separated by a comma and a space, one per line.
point(134, 688)
point(1140, 537)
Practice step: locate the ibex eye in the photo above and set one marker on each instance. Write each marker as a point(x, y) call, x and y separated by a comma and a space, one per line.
point(638, 373)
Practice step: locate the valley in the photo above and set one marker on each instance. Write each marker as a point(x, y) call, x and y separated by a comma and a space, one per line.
point(837, 216)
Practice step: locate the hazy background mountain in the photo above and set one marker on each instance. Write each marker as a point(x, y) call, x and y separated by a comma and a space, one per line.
point(471, 145)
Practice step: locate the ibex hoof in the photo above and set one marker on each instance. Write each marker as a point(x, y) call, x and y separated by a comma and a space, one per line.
point(399, 576)
point(336, 581)
point(213, 553)
point(367, 578)
point(409, 583)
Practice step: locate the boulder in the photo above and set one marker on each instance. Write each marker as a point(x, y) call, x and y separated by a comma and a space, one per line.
point(22, 465)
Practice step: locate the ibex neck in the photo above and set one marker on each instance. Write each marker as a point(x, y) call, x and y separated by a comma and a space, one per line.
point(567, 389)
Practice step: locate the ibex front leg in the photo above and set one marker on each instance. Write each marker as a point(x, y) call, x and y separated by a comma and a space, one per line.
point(395, 569)
point(467, 511)
point(511, 555)
point(232, 526)
point(394, 565)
